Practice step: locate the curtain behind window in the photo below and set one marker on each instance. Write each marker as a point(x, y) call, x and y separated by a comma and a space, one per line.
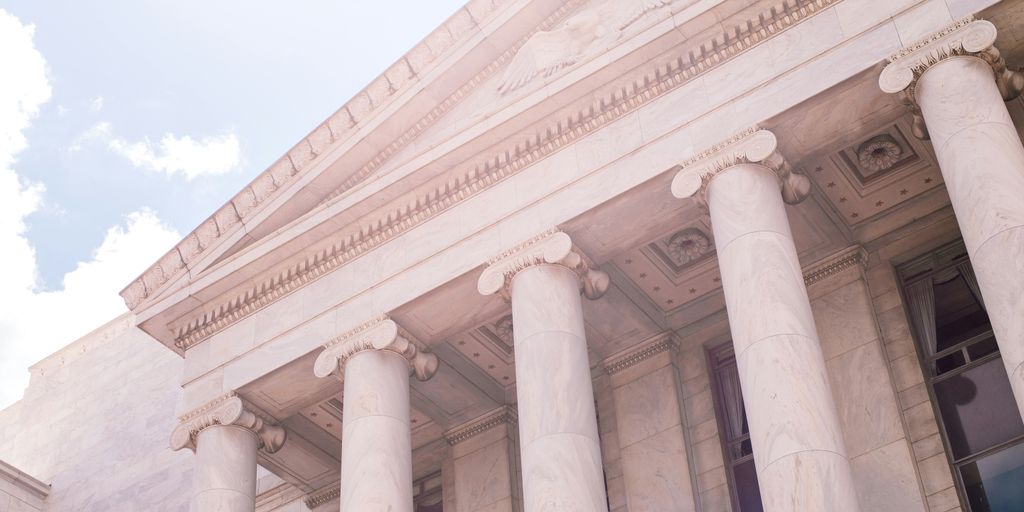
point(921, 307)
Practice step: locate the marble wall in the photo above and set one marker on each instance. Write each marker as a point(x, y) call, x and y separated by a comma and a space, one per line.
point(916, 411)
point(651, 431)
point(94, 424)
point(484, 469)
point(864, 393)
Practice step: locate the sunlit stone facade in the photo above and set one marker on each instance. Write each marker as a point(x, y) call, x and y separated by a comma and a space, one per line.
point(620, 255)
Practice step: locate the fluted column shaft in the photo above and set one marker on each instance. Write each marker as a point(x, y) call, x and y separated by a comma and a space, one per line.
point(376, 456)
point(224, 479)
point(561, 453)
point(798, 446)
point(982, 162)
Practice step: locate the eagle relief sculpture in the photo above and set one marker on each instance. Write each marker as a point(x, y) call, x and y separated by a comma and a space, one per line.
point(548, 51)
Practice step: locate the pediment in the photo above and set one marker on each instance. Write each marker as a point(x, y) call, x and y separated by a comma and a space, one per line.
point(462, 125)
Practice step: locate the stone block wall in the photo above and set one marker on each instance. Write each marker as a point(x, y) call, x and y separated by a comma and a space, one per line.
point(917, 413)
point(95, 423)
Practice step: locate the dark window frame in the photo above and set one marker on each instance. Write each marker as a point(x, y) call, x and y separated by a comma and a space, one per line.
point(928, 364)
point(712, 356)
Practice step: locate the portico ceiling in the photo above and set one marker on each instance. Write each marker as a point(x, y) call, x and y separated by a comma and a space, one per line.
point(870, 176)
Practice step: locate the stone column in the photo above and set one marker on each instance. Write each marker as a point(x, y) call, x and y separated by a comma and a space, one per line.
point(225, 435)
point(561, 454)
point(798, 446)
point(957, 81)
point(375, 361)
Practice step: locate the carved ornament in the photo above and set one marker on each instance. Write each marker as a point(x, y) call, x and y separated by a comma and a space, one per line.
point(228, 409)
point(879, 153)
point(752, 146)
point(718, 49)
point(965, 37)
point(548, 51)
point(662, 343)
point(552, 247)
point(480, 425)
point(848, 258)
point(379, 334)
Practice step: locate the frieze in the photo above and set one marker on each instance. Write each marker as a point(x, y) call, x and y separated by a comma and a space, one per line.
point(715, 52)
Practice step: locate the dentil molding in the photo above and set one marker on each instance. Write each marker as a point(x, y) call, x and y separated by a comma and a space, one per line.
point(717, 49)
point(228, 409)
point(500, 416)
point(660, 343)
point(753, 146)
point(965, 37)
point(381, 333)
point(551, 247)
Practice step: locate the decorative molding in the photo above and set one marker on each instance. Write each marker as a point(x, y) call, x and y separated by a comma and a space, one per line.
point(847, 258)
point(339, 127)
point(716, 51)
point(964, 37)
point(662, 342)
point(754, 146)
point(315, 500)
point(879, 153)
point(24, 481)
point(547, 52)
point(381, 333)
point(551, 247)
point(480, 425)
point(228, 409)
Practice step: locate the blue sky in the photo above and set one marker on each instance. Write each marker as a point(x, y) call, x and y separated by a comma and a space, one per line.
point(123, 124)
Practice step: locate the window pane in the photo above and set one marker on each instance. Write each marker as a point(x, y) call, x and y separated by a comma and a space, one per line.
point(982, 348)
point(957, 313)
point(978, 409)
point(746, 487)
point(949, 362)
point(996, 482)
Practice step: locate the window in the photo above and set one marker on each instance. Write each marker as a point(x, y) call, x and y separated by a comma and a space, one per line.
point(427, 494)
point(735, 435)
point(978, 417)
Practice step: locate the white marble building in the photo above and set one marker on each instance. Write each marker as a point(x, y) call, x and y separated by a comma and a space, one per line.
point(590, 255)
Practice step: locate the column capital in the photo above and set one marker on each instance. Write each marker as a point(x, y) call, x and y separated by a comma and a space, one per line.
point(751, 146)
point(381, 333)
point(968, 37)
point(551, 247)
point(228, 409)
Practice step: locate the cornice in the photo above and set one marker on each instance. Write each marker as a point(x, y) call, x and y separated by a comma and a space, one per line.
point(847, 258)
point(480, 425)
point(23, 480)
point(333, 132)
point(752, 145)
point(968, 37)
point(381, 333)
point(661, 343)
point(714, 52)
point(551, 247)
point(228, 409)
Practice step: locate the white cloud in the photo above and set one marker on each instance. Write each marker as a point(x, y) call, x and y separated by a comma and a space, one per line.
point(33, 323)
point(96, 104)
point(209, 155)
